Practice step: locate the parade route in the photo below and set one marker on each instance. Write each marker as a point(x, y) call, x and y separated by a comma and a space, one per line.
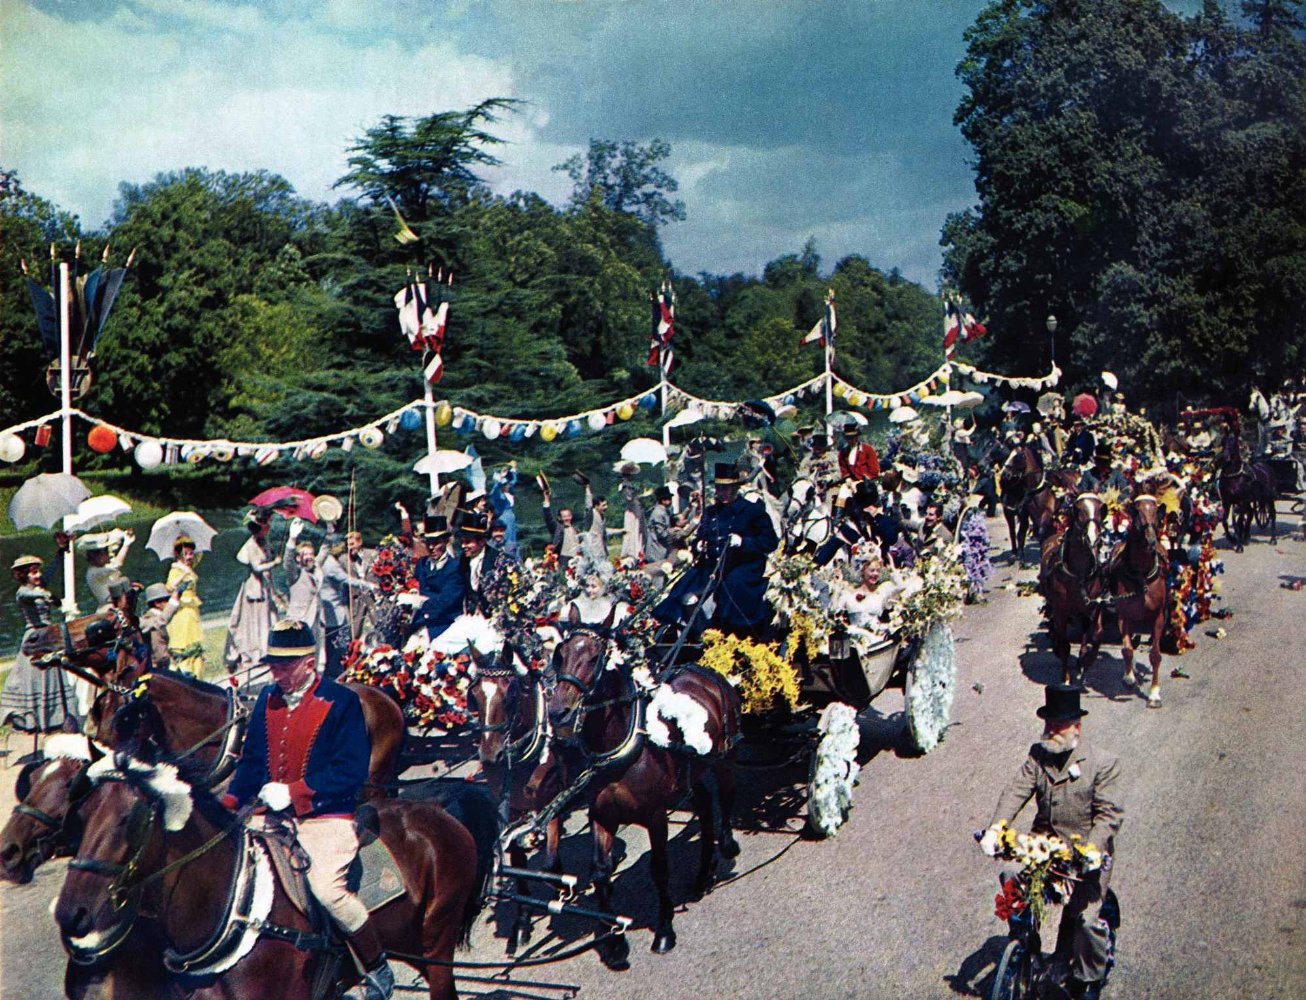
point(900, 904)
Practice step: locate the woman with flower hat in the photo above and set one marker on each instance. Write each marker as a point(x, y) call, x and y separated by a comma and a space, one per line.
point(35, 701)
point(185, 634)
point(1075, 789)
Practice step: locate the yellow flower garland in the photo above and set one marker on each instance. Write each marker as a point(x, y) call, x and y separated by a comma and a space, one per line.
point(765, 678)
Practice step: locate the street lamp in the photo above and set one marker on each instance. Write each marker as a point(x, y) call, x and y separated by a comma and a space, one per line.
point(1051, 324)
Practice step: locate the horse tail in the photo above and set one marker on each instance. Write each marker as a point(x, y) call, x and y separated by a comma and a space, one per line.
point(472, 806)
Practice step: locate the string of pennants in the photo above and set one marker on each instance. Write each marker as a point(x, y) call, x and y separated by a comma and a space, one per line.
point(150, 450)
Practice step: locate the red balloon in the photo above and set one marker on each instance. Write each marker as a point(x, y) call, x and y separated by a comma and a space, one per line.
point(102, 439)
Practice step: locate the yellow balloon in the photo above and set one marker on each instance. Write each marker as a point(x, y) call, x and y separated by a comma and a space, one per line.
point(443, 415)
point(548, 432)
point(625, 411)
point(839, 390)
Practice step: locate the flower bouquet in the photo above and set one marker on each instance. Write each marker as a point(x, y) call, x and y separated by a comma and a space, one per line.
point(1045, 861)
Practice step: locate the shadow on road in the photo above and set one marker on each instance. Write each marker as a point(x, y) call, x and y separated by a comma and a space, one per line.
point(974, 977)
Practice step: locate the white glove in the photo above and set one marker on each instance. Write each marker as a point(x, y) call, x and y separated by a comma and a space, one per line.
point(296, 526)
point(736, 541)
point(275, 795)
point(989, 842)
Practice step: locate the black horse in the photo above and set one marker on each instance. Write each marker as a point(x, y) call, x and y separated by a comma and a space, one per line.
point(1246, 491)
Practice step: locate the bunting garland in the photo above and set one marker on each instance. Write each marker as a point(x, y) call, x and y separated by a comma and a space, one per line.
point(152, 450)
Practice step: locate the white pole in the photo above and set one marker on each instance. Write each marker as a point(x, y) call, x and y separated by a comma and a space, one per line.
point(430, 435)
point(66, 408)
point(829, 384)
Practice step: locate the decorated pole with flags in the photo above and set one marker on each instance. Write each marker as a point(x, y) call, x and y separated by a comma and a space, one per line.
point(66, 413)
point(660, 352)
point(823, 333)
point(424, 327)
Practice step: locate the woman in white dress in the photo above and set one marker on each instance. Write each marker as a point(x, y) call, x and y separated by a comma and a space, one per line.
point(254, 612)
point(36, 701)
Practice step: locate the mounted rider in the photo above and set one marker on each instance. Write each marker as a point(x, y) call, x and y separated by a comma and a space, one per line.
point(306, 758)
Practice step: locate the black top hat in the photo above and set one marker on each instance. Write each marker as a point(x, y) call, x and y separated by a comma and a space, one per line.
point(852, 431)
point(662, 493)
point(866, 492)
point(726, 474)
point(437, 527)
point(820, 441)
point(1102, 453)
point(473, 523)
point(289, 640)
point(1061, 703)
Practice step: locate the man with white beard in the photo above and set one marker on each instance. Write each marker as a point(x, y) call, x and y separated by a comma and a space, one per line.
point(1074, 787)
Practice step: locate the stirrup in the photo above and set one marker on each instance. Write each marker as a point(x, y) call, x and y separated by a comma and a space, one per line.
point(379, 984)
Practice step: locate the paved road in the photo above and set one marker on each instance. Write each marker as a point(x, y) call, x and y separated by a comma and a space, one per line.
point(1210, 869)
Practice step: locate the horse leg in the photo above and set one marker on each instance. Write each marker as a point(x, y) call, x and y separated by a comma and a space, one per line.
point(1060, 628)
point(1154, 656)
point(725, 785)
point(1011, 532)
point(706, 813)
point(615, 951)
point(1127, 642)
point(664, 935)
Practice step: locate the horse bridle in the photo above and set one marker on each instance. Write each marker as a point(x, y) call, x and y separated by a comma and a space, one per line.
point(576, 713)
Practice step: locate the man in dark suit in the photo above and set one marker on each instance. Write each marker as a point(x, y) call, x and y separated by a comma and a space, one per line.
point(439, 578)
point(484, 569)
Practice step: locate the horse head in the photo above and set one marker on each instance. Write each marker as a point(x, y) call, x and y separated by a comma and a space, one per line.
point(84, 642)
point(125, 808)
point(1086, 522)
point(496, 694)
point(36, 831)
point(1145, 519)
point(575, 676)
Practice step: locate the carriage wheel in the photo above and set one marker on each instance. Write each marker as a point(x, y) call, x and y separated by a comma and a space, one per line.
point(1012, 977)
point(930, 684)
point(1263, 515)
point(833, 771)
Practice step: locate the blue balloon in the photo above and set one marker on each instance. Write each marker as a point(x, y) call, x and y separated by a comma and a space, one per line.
point(410, 420)
point(573, 428)
point(517, 433)
point(649, 401)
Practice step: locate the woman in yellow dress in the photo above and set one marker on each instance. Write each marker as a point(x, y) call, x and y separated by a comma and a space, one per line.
point(185, 634)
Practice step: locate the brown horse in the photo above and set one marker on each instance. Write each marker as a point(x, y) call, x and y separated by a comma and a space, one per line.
point(155, 846)
point(1050, 499)
point(600, 725)
point(1071, 575)
point(1138, 582)
point(181, 712)
point(1246, 490)
point(36, 832)
point(1020, 476)
point(508, 700)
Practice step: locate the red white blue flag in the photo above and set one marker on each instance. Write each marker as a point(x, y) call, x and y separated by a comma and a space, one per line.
point(660, 351)
point(423, 318)
point(823, 332)
point(959, 327)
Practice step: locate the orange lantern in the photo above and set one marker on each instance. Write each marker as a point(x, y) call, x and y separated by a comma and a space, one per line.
point(102, 439)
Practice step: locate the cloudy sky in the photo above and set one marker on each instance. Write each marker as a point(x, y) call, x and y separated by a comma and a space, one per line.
point(788, 119)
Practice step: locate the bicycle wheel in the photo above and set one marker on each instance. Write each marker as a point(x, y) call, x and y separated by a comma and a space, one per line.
point(1012, 977)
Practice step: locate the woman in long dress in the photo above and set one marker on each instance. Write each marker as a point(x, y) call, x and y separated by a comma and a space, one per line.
point(35, 701)
point(254, 611)
point(185, 633)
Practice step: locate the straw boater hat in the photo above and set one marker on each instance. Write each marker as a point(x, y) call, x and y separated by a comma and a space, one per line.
point(290, 640)
point(24, 563)
point(1061, 703)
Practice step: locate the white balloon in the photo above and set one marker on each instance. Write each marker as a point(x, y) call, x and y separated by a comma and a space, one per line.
point(149, 454)
point(12, 448)
point(597, 421)
point(491, 428)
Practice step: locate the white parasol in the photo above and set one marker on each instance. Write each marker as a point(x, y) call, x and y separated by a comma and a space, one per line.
point(953, 397)
point(842, 418)
point(94, 511)
point(685, 417)
point(443, 461)
point(903, 415)
point(43, 499)
point(646, 451)
point(170, 527)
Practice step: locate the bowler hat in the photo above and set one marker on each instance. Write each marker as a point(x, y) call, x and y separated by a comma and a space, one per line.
point(726, 474)
point(662, 493)
point(156, 592)
point(290, 640)
point(1061, 703)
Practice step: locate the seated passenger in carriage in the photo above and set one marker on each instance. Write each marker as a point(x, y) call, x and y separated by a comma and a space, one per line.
point(593, 605)
point(865, 601)
point(865, 521)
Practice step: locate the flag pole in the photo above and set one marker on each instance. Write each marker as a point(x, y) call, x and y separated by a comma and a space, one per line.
point(829, 383)
point(429, 397)
point(66, 414)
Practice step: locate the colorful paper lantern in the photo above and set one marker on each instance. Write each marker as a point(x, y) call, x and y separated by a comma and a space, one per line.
point(149, 454)
point(517, 433)
point(316, 450)
point(443, 414)
point(410, 420)
point(625, 411)
point(491, 428)
point(370, 437)
point(648, 401)
point(597, 421)
point(548, 432)
point(101, 439)
point(839, 390)
point(573, 428)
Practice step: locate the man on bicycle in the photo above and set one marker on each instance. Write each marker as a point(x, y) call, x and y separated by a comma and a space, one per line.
point(1074, 787)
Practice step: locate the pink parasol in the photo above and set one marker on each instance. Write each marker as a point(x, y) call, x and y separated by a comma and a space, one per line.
point(288, 501)
point(1084, 405)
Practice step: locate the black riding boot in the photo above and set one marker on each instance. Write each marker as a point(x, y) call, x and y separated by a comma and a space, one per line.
point(378, 978)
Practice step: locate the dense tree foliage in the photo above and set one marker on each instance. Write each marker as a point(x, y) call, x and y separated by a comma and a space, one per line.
point(1143, 176)
point(252, 313)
